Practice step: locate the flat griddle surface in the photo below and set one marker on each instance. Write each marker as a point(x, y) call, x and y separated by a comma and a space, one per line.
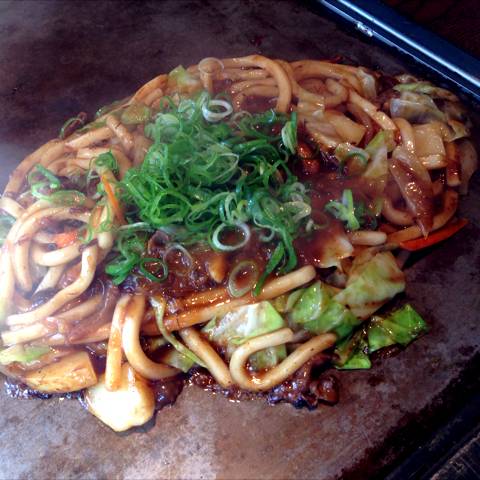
point(59, 58)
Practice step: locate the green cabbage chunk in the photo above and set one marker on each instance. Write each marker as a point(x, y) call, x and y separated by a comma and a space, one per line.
point(377, 167)
point(373, 279)
point(352, 352)
point(176, 359)
point(416, 108)
point(384, 138)
point(317, 312)
point(426, 88)
point(401, 326)
point(267, 358)
point(22, 354)
point(246, 322)
point(182, 80)
point(136, 113)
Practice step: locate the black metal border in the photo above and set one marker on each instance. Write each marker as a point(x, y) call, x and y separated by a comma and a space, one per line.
point(374, 19)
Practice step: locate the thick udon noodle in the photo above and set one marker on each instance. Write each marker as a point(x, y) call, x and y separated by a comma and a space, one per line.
point(332, 104)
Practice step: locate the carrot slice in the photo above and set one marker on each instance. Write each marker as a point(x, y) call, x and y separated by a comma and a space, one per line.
point(65, 239)
point(436, 237)
point(112, 199)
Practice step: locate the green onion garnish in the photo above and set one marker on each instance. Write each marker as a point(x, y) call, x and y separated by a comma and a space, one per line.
point(54, 182)
point(353, 214)
point(344, 210)
point(289, 134)
point(160, 269)
point(223, 247)
point(129, 246)
point(201, 178)
point(246, 268)
point(159, 310)
point(275, 260)
point(72, 124)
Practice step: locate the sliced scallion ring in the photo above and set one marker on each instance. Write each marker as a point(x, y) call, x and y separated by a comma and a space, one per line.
point(186, 254)
point(211, 116)
point(248, 267)
point(359, 154)
point(298, 209)
point(275, 259)
point(216, 242)
point(267, 238)
point(160, 267)
point(136, 226)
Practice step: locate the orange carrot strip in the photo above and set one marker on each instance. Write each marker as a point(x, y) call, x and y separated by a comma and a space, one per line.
point(65, 239)
point(435, 237)
point(112, 199)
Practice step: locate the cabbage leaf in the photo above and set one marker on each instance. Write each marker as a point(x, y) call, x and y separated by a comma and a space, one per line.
point(22, 354)
point(182, 80)
point(401, 327)
point(373, 279)
point(246, 322)
point(317, 312)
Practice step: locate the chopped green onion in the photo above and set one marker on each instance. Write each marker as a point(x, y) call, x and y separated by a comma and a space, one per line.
point(357, 156)
point(159, 267)
point(136, 226)
point(22, 354)
point(248, 267)
point(186, 254)
point(159, 310)
point(54, 182)
point(274, 261)
point(107, 160)
point(344, 211)
point(217, 243)
point(214, 116)
point(289, 134)
point(129, 247)
point(135, 113)
point(199, 178)
point(71, 122)
point(59, 197)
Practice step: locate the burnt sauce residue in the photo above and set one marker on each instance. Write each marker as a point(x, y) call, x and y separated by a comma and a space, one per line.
point(309, 387)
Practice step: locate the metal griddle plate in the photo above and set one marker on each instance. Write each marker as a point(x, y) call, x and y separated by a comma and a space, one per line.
point(58, 58)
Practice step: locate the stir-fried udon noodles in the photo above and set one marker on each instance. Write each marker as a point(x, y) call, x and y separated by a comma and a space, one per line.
point(239, 222)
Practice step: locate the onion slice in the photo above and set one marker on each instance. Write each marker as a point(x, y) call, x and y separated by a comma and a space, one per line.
point(468, 164)
point(415, 184)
